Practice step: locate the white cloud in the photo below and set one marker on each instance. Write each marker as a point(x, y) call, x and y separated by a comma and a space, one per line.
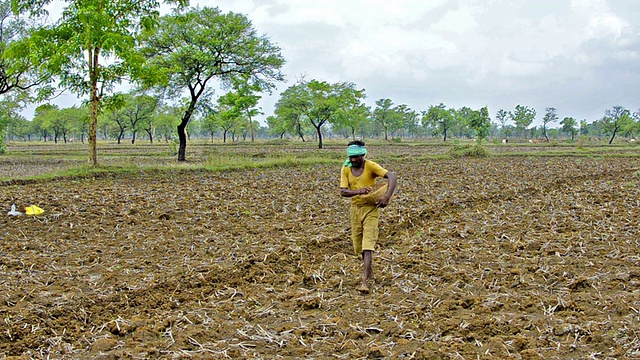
point(579, 56)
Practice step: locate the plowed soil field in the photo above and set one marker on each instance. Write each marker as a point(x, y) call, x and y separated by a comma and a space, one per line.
point(507, 257)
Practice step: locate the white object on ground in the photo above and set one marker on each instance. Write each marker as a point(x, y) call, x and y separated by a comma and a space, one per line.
point(13, 211)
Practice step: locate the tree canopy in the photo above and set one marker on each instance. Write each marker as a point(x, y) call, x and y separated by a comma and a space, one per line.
point(319, 103)
point(92, 47)
point(191, 49)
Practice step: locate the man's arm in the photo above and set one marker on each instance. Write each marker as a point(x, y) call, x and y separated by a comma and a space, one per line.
point(344, 185)
point(349, 193)
point(393, 180)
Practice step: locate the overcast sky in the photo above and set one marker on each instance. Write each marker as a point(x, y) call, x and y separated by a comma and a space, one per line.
point(580, 56)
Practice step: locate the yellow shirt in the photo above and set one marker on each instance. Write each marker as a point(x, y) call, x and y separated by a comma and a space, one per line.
point(371, 171)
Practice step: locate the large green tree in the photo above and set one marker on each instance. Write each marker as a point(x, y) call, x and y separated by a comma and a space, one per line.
point(138, 110)
point(228, 116)
point(480, 122)
point(289, 110)
point(244, 98)
point(569, 125)
point(408, 120)
point(351, 117)
point(523, 116)
point(614, 120)
point(92, 47)
point(384, 115)
point(318, 102)
point(192, 49)
point(277, 126)
point(439, 116)
point(18, 72)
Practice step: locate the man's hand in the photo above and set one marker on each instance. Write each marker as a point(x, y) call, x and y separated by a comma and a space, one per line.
point(384, 201)
point(365, 190)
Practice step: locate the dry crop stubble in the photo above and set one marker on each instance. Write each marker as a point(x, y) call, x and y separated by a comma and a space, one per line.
point(490, 258)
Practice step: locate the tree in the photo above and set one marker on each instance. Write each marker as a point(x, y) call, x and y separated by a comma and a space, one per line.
point(81, 121)
point(166, 121)
point(439, 116)
point(228, 116)
point(318, 102)
point(569, 125)
point(66, 121)
point(18, 71)
point(138, 110)
point(277, 126)
point(408, 119)
point(289, 111)
point(193, 48)
point(480, 122)
point(9, 113)
point(615, 119)
point(18, 127)
point(114, 118)
point(352, 116)
point(326, 102)
point(148, 124)
point(502, 117)
point(550, 117)
point(383, 115)
point(43, 117)
point(245, 99)
point(523, 117)
point(635, 127)
point(209, 123)
point(77, 47)
point(584, 127)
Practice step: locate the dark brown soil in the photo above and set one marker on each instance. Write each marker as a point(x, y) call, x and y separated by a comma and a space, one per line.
point(509, 257)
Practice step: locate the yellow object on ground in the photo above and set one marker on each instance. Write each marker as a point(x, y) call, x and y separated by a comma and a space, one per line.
point(33, 210)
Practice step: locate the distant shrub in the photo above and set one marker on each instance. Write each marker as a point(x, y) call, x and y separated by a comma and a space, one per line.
point(582, 141)
point(396, 140)
point(476, 151)
point(279, 141)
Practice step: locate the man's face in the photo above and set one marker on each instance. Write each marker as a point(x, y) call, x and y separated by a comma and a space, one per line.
point(357, 161)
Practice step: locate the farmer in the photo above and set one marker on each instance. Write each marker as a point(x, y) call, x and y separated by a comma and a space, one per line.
point(357, 178)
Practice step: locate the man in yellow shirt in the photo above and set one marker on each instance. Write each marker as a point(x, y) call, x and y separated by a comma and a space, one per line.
point(357, 178)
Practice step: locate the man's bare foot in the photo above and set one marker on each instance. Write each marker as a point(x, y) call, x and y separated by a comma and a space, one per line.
point(364, 287)
point(368, 278)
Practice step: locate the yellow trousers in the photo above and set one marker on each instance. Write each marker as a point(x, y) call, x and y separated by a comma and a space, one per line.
point(364, 227)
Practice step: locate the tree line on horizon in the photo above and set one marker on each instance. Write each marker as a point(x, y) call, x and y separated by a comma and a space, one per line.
point(175, 61)
point(143, 116)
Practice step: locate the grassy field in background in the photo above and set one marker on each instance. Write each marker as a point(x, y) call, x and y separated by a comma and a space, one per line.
point(35, 160)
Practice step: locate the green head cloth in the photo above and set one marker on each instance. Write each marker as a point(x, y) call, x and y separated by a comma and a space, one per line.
point(355, 150)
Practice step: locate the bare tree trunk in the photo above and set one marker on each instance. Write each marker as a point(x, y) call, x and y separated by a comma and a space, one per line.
point(252, 131)
point(319, 137)
point(615, 130)
point(182, 136)
point(95, 106)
